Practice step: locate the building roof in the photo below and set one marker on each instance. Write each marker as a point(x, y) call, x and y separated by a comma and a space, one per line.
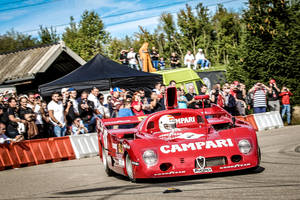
point(25, 64)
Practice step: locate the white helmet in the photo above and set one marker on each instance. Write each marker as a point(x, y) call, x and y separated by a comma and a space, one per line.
point(167, 123)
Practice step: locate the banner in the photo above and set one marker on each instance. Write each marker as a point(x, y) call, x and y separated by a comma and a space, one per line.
point(212, 77)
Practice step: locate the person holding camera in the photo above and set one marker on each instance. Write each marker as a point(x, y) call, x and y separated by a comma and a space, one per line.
point(78, 127)
point(286, 107)
point(57, 115)
point(27, 114)
point(273, 96)
point(259, 91)
point(87, 111)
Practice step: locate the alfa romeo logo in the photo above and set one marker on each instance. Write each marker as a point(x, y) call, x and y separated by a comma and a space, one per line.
point(200, 161)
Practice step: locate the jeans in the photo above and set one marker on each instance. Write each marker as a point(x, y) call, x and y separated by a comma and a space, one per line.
point(134, 66)
point(12, 134)
point(259, 110)
point(92, 123)
point(59, 132)
point(155, 64)
point(286, 109)
point(203, 63)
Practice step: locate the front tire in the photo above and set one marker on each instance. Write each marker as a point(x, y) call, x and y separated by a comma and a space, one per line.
point(129, 168)
point(108, 171)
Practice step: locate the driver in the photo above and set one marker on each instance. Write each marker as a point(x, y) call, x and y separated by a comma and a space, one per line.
point(167, 123)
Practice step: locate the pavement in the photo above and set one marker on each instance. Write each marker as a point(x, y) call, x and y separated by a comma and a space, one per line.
point(277, 178)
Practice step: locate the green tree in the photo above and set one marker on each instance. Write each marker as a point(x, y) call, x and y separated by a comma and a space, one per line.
point(12, 41)
point(227, 34)
point(48, 36)
point(271, 48)
point(89, 37)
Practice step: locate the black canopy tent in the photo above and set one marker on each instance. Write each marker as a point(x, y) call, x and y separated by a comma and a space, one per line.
point(103, 73)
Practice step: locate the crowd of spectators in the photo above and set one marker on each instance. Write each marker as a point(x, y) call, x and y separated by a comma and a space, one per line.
point(30, 117)
point(131, 59)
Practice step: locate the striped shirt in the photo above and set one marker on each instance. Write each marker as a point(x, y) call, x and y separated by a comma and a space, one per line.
point(260, 99)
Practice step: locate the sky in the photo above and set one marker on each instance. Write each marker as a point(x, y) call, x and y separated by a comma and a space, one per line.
point(120, 17)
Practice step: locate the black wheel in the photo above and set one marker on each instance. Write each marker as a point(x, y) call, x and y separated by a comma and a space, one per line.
point(108, 171)
point(129, 168)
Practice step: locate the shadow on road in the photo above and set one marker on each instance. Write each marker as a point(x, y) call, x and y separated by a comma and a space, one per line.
point(158, 183)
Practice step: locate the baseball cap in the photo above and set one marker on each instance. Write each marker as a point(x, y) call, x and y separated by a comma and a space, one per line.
point(235, 83)
point(117, 89)
point(272, 81)
point(71, 89)
point(63, 90)
point(200, 49)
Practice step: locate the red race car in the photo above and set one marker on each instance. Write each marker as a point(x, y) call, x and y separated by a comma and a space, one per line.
point(177, 142)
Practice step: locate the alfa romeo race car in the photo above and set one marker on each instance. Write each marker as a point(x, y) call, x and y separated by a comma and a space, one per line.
point(177, 142)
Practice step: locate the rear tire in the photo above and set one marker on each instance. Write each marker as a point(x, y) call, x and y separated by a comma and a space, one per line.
point(108, 171)
point(129, 168)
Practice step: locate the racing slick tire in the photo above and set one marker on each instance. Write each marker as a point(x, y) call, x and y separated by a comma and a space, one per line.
point(129, 168)
point(108, 171)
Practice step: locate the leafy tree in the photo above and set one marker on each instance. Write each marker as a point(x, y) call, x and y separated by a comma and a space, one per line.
point(48, 36)
point(227, 34)
point(89, 37)
point(271, 47)
point(12, 41)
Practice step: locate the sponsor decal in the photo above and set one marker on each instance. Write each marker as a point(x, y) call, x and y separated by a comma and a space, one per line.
point(193, 146)
point(205, 170)
point(185, 120)
point(169, 173)
point(190, 136)
point(235, 166)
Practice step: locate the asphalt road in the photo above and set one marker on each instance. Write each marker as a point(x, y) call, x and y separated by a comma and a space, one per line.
point(278, 178)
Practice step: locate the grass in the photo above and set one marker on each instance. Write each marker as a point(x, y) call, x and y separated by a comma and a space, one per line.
point(215, 67)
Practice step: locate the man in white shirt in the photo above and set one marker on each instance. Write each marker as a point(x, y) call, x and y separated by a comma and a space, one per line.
point(201, 60)
point(131, 56)
point(189, 59)
point(93, 96)
point(57, 115)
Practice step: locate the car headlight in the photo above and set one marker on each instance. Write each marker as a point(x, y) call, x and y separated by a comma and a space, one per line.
point(150, 157)
point(244, 146)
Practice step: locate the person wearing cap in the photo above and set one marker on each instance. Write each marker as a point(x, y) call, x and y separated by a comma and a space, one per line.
point(201, 60)
point(286, 107)
point(189, 59)
point(116, 102)
point(123, 57)
point(273, 96)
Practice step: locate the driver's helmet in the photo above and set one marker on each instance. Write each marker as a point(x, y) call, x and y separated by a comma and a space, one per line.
point(167, 123)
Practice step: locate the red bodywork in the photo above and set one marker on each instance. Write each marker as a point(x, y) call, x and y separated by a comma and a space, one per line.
point(214, 139)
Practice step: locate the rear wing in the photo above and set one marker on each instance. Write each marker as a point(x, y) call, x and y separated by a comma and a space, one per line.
point(123, 120)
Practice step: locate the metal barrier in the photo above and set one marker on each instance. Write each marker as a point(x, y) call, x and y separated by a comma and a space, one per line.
point(268, 120)
point(85, 145)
